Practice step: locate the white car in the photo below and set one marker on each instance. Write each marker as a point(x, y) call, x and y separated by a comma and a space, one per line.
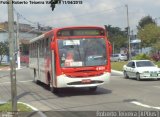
point(141, 69)
point(118, 57)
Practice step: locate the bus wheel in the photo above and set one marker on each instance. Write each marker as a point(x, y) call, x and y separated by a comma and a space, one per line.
point(35, 77)
point(93, 88)
point(54, 90)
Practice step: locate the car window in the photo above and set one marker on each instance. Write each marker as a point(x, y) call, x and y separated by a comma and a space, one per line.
point(129, 64)
point(123, 55)
point(133, 65)
point(144, 64)
point(115, 55)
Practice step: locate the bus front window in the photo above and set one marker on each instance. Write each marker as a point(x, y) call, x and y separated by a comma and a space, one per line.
point(82, 52)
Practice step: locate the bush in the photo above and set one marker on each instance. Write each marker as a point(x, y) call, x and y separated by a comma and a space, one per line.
point(156, 57)
point(141, 57)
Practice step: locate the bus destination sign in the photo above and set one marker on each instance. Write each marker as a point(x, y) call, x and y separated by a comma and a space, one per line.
point(81, 32)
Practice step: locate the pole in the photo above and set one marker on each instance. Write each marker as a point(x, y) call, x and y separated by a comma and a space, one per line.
point(113, 47)
point(17, 44)
point(129, 46)
point(12, 57)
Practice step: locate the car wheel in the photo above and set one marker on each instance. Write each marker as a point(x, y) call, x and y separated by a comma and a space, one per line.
point(125, 75)
point(54, 90)
point(138, 76)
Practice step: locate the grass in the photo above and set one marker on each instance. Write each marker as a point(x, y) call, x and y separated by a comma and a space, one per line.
point(3, 65)
point(7, 107)
point(157, 63)
point(119, 65)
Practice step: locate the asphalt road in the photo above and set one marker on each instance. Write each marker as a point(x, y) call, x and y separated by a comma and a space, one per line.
point(117, 96)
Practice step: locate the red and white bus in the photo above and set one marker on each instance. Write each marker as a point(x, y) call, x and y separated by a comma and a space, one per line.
point(71, 57)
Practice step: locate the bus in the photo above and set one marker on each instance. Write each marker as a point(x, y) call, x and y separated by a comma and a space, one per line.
point(71, 57)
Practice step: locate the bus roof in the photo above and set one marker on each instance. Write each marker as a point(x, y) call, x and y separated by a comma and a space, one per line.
point(70, 27)
point(57, 29)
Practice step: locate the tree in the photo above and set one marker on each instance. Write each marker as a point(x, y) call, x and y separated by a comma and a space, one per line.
point(149, 35)
point(145, 21)
point(116, 36)
point(4, 50)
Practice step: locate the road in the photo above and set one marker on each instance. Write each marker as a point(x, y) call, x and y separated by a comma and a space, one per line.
point(119, 95)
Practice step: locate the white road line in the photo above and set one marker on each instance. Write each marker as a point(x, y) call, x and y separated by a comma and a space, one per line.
point(34, 109)
point(145, 105)
point(17, 81)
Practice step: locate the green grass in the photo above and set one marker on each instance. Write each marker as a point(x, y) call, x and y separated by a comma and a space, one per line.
point(119, 65)
point(7, 107)
point(3, 65)
point(157, 63)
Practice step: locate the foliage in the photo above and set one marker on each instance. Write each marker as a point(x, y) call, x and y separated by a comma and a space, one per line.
point(7, 107)
point(145, 21)
point(156, 45)
point(158, 63)
point(156, 56)
point(149, 35)
point(4, 50)
point(141, 57)
point(118, 65)
point(116, 36)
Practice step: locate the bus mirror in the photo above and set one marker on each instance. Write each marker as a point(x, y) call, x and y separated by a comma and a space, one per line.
point(52, 46)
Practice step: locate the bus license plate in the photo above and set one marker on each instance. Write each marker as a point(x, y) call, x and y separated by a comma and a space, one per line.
point(86, 81)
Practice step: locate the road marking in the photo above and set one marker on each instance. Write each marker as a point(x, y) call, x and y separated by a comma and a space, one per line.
point(17, 81)
point(34, 109)
point(145, 105)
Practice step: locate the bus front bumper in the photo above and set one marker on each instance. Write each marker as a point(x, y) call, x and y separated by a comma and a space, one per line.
point(64, 81)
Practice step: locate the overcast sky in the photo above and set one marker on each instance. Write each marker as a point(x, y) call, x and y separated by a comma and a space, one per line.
point(90, 12)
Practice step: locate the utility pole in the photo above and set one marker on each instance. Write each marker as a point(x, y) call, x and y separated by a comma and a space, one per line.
point(17, 44)
point(129, 40)
point(12, 57)
point(113, 47)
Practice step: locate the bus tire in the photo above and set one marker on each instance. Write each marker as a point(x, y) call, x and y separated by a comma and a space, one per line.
point(54, 90)
point(93, 88)
point(35, 77)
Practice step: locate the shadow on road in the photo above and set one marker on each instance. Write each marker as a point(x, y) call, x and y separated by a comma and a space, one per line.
point(65, 92)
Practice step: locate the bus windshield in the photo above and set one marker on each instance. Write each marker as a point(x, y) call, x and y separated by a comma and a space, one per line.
point(82, 52)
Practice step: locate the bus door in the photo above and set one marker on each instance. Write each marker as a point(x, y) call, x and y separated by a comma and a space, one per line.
point(53, 64)
point(38, 64)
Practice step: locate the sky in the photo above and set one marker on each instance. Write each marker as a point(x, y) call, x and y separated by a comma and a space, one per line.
point(90, 12)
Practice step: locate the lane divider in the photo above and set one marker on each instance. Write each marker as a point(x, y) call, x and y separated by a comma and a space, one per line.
point(145, 105)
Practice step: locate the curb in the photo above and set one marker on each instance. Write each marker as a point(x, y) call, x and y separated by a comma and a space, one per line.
point(119, 72)
point(34, 109)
